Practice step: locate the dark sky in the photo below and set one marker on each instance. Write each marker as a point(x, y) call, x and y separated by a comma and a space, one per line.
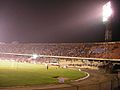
point(52, 21)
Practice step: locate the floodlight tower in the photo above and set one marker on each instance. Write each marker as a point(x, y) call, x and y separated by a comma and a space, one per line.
point(107, 16)
point(107, 19)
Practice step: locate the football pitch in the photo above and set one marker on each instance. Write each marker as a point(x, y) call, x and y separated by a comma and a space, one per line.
point(25, 74)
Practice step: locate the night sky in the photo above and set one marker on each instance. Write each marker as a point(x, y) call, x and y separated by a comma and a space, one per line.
point(54, 21)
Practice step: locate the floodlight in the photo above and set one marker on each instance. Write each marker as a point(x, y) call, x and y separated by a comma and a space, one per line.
point(107, 11)
point(34, 56)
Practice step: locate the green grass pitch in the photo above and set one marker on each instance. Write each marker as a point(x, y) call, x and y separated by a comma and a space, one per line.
point(22, 74)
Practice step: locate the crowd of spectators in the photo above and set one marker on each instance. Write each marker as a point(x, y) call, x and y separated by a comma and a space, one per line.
point(93, 50)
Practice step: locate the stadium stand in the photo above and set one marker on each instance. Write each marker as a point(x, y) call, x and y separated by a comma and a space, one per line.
point(93, 50)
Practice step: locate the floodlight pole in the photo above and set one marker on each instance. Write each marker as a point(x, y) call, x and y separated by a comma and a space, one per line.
point(108, 31)
point(108, 35)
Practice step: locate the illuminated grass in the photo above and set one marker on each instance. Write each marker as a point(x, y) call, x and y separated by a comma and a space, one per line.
point(21, 74)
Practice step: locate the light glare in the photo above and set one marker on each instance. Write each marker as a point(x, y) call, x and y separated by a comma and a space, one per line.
point(107, 11)
point(34, 56)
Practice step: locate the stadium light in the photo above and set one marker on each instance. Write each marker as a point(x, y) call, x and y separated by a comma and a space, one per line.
point(34, 56)
point(107, 11)
point(107, 20)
